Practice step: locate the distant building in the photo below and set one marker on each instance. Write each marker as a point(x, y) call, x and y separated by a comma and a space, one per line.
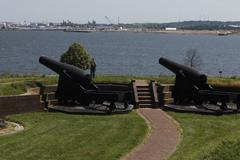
point(170, 29)
point(104, 27)
point(1, 26)
point(32, 24)
point(234, 26)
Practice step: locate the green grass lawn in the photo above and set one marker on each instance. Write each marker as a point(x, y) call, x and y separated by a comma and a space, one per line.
point(17, 84)
point(11, 84)
point(208, 137)
point(73, 137)
point(62, 136)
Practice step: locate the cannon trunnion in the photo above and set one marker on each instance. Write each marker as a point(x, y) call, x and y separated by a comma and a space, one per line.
point(191, 87)
point(76, 88)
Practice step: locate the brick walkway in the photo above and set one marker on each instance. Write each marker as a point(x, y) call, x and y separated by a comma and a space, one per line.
point(163, 139)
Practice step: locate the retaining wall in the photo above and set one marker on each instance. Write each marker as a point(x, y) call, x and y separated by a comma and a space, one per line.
point(20, 104)
point(31, 103)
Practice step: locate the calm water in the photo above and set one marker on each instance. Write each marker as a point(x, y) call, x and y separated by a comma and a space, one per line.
point(119, 53)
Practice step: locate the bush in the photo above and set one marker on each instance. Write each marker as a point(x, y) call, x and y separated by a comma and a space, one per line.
point(77, 55)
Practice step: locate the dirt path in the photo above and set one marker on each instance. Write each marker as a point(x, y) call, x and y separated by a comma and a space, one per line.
point(162, 140)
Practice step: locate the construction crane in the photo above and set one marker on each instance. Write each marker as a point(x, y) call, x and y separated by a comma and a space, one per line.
point(115, 26)
point(109, 21)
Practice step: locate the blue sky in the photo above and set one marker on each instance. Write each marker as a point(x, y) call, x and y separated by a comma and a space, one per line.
point(129, 11)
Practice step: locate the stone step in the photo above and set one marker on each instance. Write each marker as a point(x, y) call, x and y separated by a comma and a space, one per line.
point(143, 86)
point(144, 97)
point(165, 95)
point(165, 87)
point(169, 100)
point(52, 102)
point(143, 89)
point(145, 105)
point(145, 101)
point(144, 94)
point(166, 101)
point(141, 82)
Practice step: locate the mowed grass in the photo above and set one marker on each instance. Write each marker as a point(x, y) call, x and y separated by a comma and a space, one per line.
point(208, 137)
point(13, 84)
point(17, 84)
point(129, 78)
point(61, 136)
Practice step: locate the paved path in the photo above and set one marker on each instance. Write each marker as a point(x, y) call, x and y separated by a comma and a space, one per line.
point(163, 139)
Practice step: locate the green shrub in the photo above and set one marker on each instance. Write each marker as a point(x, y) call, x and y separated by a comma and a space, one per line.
point(77, 55)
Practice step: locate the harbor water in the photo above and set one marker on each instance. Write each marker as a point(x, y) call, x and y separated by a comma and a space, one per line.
point(118, 53)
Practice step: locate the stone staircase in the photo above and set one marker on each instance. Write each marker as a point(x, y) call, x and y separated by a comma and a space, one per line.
point(145, 94)
point(48, 95)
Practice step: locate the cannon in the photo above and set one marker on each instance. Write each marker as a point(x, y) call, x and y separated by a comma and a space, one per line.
point(77, 88)
point(191, 87)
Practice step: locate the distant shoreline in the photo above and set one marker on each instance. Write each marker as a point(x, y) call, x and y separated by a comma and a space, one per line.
point(178, 32)
point(198, 32)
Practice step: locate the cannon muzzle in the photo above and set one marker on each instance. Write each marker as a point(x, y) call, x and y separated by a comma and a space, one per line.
point(63, 69)
point(188, 72)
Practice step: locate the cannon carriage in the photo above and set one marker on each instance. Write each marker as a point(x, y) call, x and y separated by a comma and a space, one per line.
point(75, 88)
point(191, 88)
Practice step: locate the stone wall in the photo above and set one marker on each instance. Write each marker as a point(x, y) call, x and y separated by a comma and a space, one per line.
point(165, 94)
point(20, 104)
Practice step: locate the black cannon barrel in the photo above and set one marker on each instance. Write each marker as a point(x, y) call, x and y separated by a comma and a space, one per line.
point(190, 73)
point(60, 68)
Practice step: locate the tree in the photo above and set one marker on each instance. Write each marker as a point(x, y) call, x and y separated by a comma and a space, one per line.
point(192, 58)
point(76, 55)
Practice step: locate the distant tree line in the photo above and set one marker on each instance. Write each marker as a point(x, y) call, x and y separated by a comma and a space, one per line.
point(196, 25)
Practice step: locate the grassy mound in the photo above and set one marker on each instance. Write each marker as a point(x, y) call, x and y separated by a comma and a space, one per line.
point(73, 137)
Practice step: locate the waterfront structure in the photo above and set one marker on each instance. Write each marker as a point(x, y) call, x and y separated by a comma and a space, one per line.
point(170, 29)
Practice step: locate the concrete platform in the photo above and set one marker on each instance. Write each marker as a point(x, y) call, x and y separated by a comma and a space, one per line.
point(200, 109)
point(96, 109)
